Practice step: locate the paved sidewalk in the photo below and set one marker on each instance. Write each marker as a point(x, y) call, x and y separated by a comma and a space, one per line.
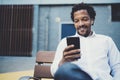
point(17, 75)
point(12, 64)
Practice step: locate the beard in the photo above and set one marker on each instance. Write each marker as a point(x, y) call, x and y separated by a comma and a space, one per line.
point(83, 31)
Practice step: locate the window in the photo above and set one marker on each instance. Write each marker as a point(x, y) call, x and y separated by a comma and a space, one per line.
point(115, 12)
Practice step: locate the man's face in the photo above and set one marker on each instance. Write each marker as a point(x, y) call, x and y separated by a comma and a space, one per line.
point(82, 22)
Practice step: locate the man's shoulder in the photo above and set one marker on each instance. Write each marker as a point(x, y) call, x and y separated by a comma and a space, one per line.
point(103, 36)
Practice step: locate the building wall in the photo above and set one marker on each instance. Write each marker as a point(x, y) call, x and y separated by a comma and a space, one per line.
point(49, 15)
point(50, 18)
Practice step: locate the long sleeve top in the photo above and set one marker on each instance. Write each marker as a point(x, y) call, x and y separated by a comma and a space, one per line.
point(100, 57)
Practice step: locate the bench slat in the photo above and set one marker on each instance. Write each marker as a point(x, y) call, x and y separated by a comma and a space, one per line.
point(45, 56)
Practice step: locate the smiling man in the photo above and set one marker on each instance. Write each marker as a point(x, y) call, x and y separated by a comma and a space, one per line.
point(99, 56)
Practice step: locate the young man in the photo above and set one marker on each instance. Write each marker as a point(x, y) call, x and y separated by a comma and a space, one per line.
point(99, 56)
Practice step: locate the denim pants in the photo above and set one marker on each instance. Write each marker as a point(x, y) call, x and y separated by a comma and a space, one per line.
point(69, 71)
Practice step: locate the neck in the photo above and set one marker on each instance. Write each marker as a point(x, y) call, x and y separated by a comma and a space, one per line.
point(91, 32)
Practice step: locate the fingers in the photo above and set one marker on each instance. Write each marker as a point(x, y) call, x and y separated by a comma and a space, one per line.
point(69, 48)
point(72, 57)
point(71, 54)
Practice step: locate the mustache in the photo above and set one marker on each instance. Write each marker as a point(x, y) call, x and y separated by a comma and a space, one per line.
point(83, 26)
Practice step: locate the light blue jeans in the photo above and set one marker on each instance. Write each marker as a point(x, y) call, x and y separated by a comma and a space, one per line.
point(69, 71)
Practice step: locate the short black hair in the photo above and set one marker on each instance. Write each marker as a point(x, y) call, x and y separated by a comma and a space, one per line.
point(81, 6)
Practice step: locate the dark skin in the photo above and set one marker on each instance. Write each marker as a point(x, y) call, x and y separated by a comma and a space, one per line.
point(82, 23)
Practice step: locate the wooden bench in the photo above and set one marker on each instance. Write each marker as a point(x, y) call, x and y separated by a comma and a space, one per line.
point(43, 63)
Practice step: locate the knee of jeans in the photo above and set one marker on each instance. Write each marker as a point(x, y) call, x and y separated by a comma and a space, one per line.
point(64, 70)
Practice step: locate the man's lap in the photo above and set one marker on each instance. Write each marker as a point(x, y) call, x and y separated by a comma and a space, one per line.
point(69, 71)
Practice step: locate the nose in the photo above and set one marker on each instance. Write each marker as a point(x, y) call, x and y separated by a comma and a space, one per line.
point(81, 23)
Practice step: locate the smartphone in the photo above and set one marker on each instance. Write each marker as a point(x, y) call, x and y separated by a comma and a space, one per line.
point(75, 41)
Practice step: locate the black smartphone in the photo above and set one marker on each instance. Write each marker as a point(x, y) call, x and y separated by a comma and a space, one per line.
point(75, 41)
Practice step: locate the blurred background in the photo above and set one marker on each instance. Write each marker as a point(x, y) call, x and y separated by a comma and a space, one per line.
point(27, 26)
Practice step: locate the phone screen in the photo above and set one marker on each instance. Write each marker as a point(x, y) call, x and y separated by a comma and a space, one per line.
point(75, 41)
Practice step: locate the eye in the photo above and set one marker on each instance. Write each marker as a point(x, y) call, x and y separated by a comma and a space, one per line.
point(76, 20)
point(85, 19)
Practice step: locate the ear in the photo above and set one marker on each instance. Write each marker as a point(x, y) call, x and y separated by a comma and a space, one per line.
point(92, 22)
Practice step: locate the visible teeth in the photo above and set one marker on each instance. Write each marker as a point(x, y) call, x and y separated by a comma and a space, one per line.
point(82, 28)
